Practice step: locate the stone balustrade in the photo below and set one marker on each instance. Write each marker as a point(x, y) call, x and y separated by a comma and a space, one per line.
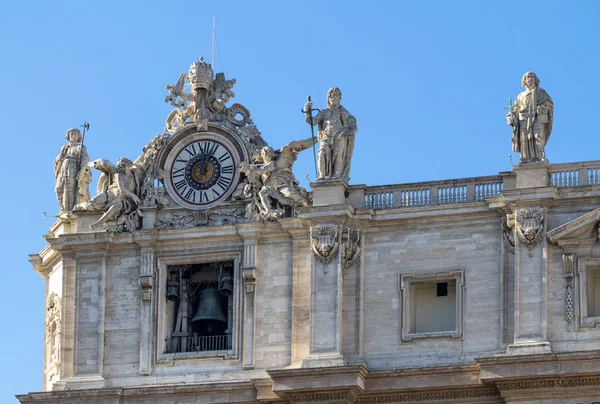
point(575, 174)
point(432, 193)
point(466, 189)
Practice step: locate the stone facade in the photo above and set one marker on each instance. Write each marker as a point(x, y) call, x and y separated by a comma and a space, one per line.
point(307, 330)
point(476, 290)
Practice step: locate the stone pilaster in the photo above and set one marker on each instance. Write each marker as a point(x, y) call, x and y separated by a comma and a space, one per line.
point(325, 347)
point(300, 289)
point(146, 280)
point(250, 234)
point(84, 282)
point(531, 277)
point(67, 341)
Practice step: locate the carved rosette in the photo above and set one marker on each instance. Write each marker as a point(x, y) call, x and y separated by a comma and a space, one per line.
point(351, 248)
point(569, 268)
point(530, 228)
point(324, 242)
point(53, 331)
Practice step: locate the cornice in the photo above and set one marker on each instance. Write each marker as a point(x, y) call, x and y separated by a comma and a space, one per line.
point(530, 384)
point(474, 392)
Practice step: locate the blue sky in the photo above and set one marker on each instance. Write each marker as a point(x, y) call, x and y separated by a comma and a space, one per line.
point(427, 82)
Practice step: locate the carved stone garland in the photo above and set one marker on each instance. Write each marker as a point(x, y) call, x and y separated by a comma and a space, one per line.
point(569, 267)
point(351, 249)
point(324, 243)
point(508, 223)
point(53, 331)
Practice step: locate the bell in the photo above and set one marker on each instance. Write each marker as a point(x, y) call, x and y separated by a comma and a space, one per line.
point(172, 290)
point(209, 318)
point(226, 284)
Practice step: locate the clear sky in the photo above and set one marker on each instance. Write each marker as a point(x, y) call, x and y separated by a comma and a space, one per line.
point(426, 80)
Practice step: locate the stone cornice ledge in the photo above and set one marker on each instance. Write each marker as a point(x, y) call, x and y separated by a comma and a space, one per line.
point(318, 384)
point(354, 384)
point(330, 211)
point(554, 365)
point(219, 393)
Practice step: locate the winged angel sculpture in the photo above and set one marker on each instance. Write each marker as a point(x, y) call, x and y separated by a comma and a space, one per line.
point(122, 189)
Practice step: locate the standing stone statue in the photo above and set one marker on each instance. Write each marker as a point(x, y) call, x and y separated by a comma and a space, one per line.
point(531, 118)
point(71, 172)
point(336, 136)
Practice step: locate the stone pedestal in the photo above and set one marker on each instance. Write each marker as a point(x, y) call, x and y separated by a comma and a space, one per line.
point(149, 218)
point(532, 175)
point(85, 219)
point(329, 192)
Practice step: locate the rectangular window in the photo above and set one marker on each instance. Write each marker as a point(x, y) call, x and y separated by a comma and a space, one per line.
point(593, 291)
point(199, 307)
point(432, 305)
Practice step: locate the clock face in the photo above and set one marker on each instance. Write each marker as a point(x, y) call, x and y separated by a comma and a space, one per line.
point(203, 173)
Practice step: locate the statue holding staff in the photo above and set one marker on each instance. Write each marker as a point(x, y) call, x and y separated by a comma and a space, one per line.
point(336, 136)
point(72, 173)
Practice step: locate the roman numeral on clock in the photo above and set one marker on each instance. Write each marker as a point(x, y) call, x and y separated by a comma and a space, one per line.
point(181, 185)
point(209, 148)
point(191, 192)
point(179, 172)
point(224, 182)
point(227, 170)
point(193, 152)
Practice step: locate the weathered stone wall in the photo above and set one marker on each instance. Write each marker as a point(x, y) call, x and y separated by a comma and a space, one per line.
point(122, 311)
point(274, 303)
point(430, 246)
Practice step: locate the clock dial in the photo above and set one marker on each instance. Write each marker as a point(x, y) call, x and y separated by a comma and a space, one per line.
point(203, 173)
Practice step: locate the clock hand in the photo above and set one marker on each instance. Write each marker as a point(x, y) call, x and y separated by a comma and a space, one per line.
point(203, 161)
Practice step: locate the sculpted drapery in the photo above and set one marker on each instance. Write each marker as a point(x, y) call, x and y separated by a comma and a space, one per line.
point(336, 137)
point(71, 173)
point(532, 118)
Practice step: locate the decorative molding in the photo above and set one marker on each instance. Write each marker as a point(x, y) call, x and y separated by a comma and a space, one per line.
point(404, 289)
point(569, 261)
point(548, 383)
point(324, 242)
point(349, 395)
point(53, 334)
point(430, 396)
point(351, 248)
point(508, 234)
point(249, 275)
point(146, 281)
point(201, 218)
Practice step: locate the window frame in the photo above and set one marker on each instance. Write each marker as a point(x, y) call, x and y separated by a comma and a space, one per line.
point(406, 280)
point(161, 308)
point(584, 267)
